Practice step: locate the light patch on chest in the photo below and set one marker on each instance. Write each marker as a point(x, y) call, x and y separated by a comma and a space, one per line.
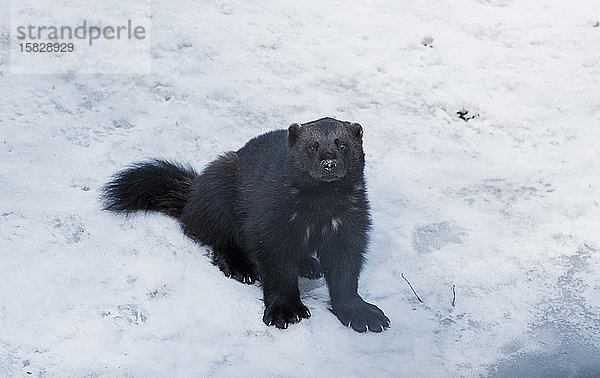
point(307, 235)
point(336, 222)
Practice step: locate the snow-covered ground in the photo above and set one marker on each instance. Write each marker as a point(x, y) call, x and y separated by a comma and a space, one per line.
point(505, 208)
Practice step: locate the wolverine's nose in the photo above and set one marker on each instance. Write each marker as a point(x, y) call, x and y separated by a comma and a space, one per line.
point(328, 164)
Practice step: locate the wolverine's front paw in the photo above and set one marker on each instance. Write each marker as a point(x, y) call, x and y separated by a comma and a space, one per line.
point(280, 315)
point(361, 316)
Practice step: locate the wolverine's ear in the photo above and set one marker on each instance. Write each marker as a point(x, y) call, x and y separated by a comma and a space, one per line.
point(356, 129)
point(293, 133)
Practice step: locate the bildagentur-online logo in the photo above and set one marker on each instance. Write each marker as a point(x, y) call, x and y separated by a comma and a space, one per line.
point(83, 32)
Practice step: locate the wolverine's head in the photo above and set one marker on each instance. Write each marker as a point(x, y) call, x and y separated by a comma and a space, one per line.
point(327, 149)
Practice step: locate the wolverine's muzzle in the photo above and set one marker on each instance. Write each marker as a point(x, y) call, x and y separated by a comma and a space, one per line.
point(329, 164)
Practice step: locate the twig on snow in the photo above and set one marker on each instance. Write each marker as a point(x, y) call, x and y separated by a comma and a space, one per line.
point(453, 295)
point(413, 290)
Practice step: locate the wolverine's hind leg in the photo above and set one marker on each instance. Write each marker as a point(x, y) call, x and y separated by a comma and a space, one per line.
point(234, 263)
point(309, 267)
point(210, 217)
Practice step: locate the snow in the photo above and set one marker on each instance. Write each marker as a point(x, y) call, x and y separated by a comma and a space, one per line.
point(504, 206)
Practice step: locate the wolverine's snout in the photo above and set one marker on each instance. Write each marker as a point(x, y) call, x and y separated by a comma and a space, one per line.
point(328, 164)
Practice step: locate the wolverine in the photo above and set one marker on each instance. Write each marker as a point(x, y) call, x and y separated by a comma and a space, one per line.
point(289, 203)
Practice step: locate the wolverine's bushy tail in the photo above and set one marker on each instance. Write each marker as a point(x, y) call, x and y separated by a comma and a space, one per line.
point(155, 185)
